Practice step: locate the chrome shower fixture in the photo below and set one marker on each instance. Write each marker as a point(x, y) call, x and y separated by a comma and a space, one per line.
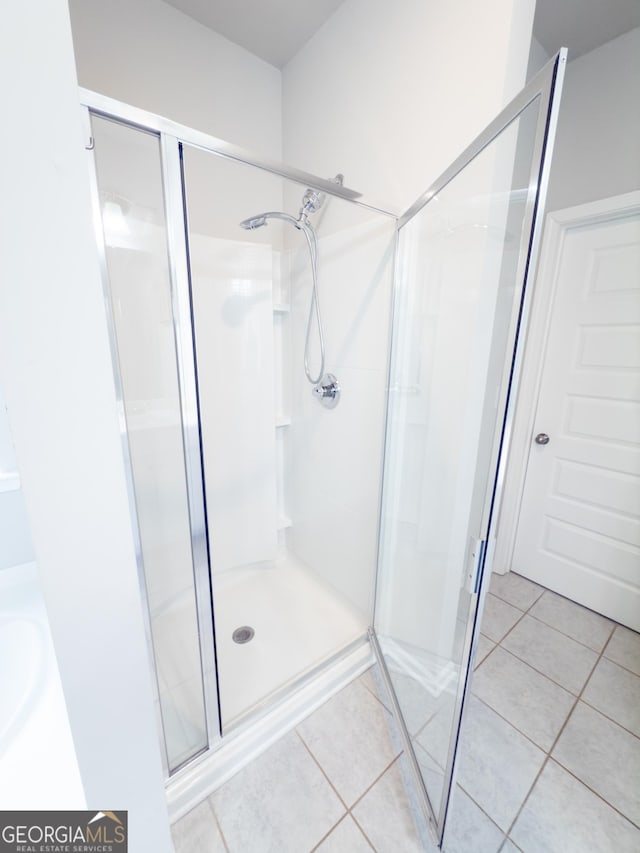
point(312, 200)
point(253, 223)
point(326, 387)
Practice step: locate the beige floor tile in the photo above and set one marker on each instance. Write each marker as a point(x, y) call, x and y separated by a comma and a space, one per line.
point(352, 738)
point(528, 700)
point(615, 692)
point(387, 818)
point(516, 590)
point(497, 765)
point(469, 828)
point(280, 802)
point(498, 618)
point(552, 653)
point(604, 756)
point(484, 647)
point(572, 619)
point(198, 832)
point(563, 816)
point(624, 649)
point(347, 837)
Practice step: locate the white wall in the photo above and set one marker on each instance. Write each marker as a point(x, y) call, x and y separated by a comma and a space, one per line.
point(390, 95)
point(538, 57)
point(596, 152)
point(388, 99)
point(55, 371)
point(15, 539)
point(336, 454)
point(148, 54)
point(595, 156)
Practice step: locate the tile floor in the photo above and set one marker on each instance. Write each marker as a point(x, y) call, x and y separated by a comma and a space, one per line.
point(550, 755)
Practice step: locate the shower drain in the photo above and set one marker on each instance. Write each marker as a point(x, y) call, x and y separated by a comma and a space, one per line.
point(243, 634)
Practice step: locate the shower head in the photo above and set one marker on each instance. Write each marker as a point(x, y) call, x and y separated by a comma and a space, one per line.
point(261, 219)
point(253, 222)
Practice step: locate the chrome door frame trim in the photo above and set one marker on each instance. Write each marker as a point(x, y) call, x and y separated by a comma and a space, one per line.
point(551, 78)
point(425, 801)
point(546, 85)
point(540, 85)
point(122, 423)
point(386, 430)
point(145, 120)
point(536, 210)
point(170, 156)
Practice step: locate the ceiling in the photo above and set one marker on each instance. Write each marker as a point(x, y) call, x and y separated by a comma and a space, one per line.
point(582, 25)
point(276, 30)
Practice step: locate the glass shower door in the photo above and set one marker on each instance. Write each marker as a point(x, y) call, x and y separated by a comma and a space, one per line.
point(134, 236)
point(464, 252)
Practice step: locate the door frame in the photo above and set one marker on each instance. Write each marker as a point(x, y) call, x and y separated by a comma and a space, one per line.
point(557, 225)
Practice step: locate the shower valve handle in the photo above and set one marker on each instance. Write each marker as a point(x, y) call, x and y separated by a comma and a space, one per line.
point(328, 391)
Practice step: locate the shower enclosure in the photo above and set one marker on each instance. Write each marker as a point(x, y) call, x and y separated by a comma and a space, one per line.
point(281, 539)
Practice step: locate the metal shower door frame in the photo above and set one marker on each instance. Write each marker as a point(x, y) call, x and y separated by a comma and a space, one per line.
point(171, 176)
point(547, 86)
point(172, 136)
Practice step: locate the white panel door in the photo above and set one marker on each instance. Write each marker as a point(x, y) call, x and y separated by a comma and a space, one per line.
point(579, 528)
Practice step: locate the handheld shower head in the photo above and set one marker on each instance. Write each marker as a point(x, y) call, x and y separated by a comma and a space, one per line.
point(253, 222)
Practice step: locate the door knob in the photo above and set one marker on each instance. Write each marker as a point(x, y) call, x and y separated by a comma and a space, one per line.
point(542, 438)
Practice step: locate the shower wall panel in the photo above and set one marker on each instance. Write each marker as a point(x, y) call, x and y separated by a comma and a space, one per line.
point(337, 454)
point(233, 318)
point(232, 280)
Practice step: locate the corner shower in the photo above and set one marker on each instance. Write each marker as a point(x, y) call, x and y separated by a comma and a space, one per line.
point(281, 543)
point(215, 369)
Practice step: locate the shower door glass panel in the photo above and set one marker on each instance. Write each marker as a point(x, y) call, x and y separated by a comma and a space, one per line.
point(461, 263)
point(292, 488)
point(129, 175)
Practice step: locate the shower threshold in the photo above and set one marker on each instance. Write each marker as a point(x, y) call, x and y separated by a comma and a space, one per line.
point(264, 725)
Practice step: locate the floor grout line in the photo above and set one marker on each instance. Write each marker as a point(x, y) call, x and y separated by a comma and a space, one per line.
point(375, 696)
point(481, 808)
point(506, 720)
point(548, 756)
point(349, 809)
point(367, 839)
point(621, 665)
point(611, 660)
point(593, 791)
point(377, 779)
point(539, 671)
point(344, 817)
point(611, 719)
point(554, 627)
point(321, 768)
point(215, 817)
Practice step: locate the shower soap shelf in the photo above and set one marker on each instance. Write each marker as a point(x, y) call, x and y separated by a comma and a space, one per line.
point(10, 481)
